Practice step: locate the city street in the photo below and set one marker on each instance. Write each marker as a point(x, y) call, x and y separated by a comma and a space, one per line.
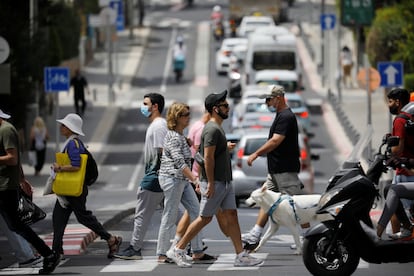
point(118, 145)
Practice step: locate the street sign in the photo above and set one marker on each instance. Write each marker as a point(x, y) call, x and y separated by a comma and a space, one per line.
point(357, 12)
point(392, 73)
point(56, 79)
point(374, 79)
point(327, 21)
point(119, 8)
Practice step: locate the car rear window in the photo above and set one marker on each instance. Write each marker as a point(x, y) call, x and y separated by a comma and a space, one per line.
point(253, 144)
point(294, 103)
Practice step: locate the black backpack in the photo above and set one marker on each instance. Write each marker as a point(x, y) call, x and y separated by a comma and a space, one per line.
point(92, 173)
point(409, 124)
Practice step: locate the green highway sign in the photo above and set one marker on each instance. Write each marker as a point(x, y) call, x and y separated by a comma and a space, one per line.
point(357, 12)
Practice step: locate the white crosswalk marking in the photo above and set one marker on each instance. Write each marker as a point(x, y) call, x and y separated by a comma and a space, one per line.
point(145, 265)
point(226, 262)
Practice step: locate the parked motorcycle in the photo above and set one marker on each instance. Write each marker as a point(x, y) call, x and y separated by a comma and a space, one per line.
point(335, 247)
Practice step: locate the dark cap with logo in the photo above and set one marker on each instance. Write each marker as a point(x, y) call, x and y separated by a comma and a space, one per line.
point(213, 99)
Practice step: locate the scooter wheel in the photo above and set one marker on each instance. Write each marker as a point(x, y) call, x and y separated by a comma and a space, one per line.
point(321, 256)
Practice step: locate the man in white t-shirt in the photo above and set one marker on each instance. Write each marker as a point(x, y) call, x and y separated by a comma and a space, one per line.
point(150, 194)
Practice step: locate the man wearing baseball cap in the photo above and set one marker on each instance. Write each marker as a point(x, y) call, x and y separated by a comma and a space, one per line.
point(216, 189)
point(11, 177)
point(283, 158)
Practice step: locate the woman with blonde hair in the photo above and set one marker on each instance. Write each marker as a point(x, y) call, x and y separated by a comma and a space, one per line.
point(38, 140)
point(175, 176)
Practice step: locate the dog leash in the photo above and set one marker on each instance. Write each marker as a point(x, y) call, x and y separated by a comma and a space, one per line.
point(277, 203)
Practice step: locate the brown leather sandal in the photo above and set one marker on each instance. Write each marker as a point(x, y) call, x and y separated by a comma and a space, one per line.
point(114, 243)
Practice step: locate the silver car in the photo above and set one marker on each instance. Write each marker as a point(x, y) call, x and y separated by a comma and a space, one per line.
point(248, 178)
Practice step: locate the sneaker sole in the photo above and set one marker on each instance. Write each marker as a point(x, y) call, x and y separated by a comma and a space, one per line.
point(127, 257)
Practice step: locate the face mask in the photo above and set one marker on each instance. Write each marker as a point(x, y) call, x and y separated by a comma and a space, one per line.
point(272, 109)
point(393, 110)
point(145, 111)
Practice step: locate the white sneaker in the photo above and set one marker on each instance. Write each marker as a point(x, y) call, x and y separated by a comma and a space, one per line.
point(403, 234)
point(247, 260)
point(179, 257)
point(251, 237)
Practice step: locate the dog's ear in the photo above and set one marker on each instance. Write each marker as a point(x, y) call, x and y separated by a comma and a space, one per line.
point(264, 187)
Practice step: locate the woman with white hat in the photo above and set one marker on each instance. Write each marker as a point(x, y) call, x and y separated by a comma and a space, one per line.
point(71, 128)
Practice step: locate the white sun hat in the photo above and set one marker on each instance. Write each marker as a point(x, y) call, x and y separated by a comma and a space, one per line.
point(4, 115)
point(73, 122)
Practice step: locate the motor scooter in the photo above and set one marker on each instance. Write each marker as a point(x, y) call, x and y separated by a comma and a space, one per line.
point(218, 31)
point(179, 65)
point(335, 247)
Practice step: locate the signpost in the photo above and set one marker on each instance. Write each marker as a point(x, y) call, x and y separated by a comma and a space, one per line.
point(327, 22)
point(391, 73)
point(357, 12)
point(56, 79)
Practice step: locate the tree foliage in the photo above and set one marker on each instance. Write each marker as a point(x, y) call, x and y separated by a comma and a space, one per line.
point(391, 36)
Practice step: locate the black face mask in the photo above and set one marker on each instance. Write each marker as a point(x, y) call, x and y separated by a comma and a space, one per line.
point(393, 110)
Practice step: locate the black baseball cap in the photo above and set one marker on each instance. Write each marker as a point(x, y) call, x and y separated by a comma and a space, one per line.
point(213, 99)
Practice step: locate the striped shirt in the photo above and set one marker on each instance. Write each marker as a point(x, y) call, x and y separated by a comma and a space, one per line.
point(176, 155)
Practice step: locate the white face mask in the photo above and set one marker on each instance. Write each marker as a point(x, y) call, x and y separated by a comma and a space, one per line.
point(145, 111)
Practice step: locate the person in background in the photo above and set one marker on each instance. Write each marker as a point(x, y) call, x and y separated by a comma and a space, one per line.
point(11, 177)
point(216, 188)
point(38, 140)
point(149, 194)
point(346, 62)
point(194, 134)
point(79, 84)
point(283, 157)
point(175, 176)
point(71, 129)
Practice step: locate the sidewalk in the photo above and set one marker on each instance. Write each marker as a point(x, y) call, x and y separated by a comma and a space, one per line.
point(352, 111)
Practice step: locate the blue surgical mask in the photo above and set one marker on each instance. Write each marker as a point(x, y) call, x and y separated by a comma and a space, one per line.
point(145, 110)
point(272, 109)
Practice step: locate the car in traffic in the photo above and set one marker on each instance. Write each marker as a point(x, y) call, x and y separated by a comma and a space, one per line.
point(248, 178)
point(252, 108)
point(249, 23)
point(287, 78)
point(236, 63)
point(224, 52)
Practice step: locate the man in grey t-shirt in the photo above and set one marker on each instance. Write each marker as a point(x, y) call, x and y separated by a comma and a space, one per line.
point(216, 189)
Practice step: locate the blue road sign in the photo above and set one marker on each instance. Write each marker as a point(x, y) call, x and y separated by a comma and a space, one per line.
point(391, 73)
point(56, 79)
point(328, 21)
point(117, 5)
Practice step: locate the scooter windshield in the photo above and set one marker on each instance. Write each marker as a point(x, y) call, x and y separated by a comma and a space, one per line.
point(362, 144)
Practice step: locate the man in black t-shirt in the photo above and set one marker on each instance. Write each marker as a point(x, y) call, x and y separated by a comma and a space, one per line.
point(283, 155)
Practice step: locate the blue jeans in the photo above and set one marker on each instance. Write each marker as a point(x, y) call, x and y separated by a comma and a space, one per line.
point(404, 178)
point(176, 191)
point(21, 248)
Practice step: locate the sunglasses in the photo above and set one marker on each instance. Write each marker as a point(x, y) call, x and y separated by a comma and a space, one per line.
point(225, 105)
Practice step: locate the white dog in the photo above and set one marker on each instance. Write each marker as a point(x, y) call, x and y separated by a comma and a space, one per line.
point(287, 211)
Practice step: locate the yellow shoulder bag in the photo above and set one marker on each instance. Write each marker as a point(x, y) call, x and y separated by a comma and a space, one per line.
point(69, 183)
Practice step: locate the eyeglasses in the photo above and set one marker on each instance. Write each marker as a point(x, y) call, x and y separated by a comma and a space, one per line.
point(185, 114)
point(225, 105)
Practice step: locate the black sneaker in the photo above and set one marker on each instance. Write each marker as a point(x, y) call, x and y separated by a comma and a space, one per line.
point(50, 263)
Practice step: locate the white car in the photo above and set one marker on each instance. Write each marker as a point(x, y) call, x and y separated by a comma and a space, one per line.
point(223, 54)
point(249, 23)
point(287, 78)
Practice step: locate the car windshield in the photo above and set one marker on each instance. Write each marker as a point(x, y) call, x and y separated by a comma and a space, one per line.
point(294, 103)
point(257, 107)
point(289, 86)
point(274, 60)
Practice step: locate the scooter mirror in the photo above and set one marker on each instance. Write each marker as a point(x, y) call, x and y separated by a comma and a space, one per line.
point(393, 141)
